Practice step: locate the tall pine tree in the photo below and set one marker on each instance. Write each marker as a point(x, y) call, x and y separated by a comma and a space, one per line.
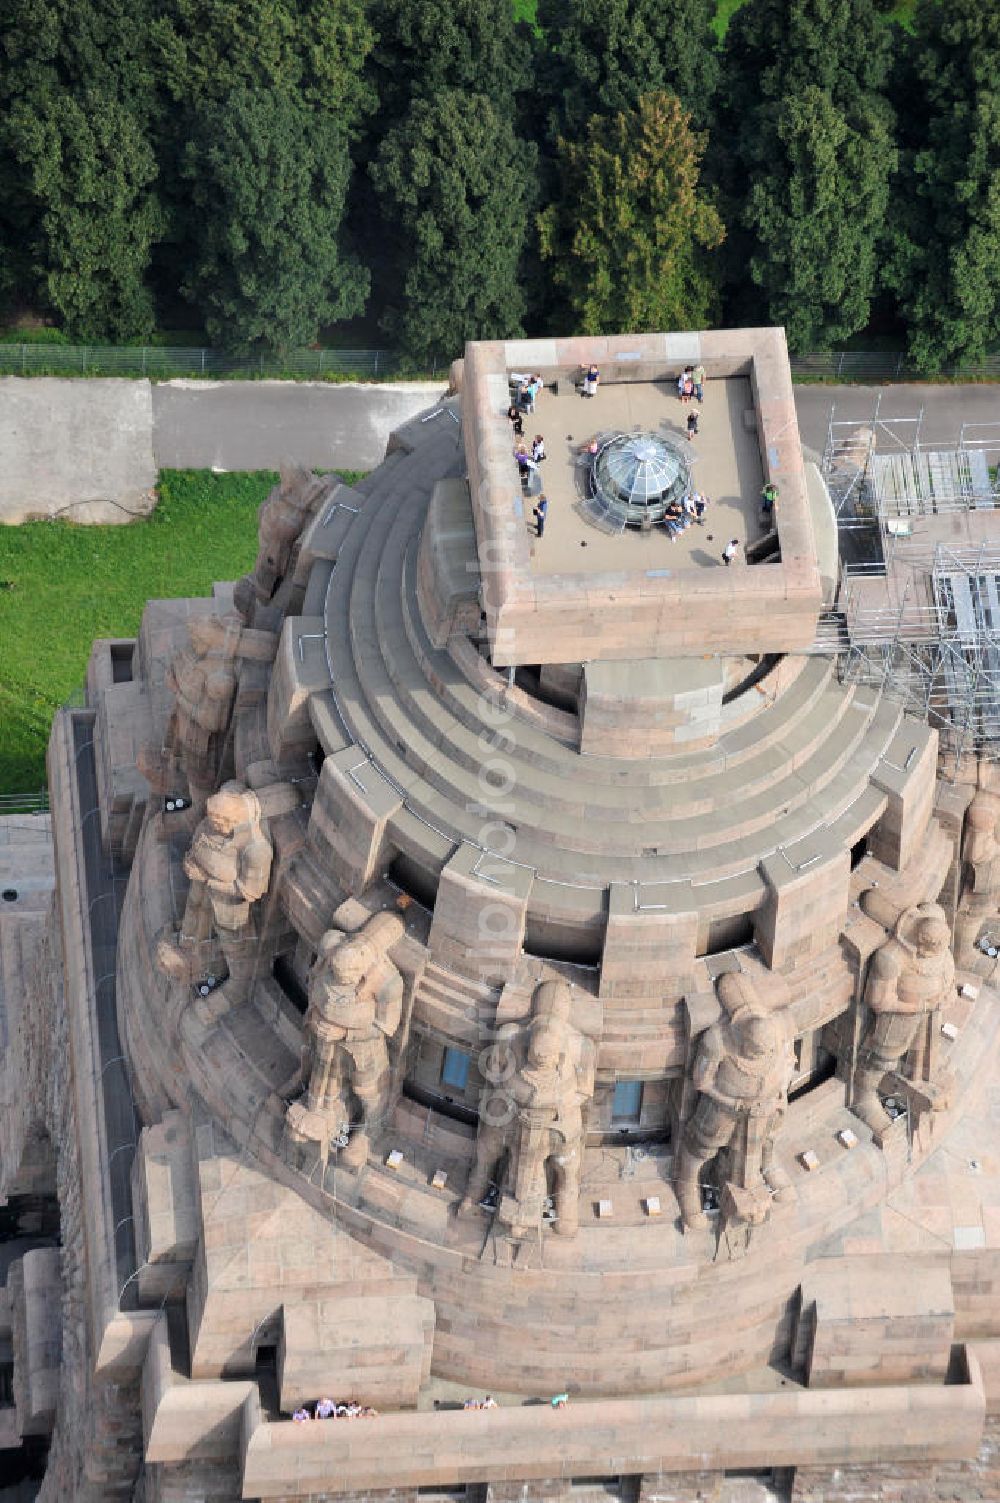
point(628, 235)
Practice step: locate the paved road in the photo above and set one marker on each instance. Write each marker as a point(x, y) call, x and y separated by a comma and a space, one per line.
point(244, 425)
point(945, 409)
point(259, 425)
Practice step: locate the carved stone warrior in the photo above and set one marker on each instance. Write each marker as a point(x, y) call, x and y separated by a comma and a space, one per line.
point(979, 901)
point(355, 1005)
point(229, 867)
point(531, 1131)
point(280, 523)
point(202, 678)
point(742, 1070)
point(909, 978)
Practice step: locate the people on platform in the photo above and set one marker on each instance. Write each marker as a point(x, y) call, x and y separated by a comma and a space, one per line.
point(591, 381)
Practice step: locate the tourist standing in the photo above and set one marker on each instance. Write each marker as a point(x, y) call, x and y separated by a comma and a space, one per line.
point(698, 381)
point(540, 512)
point(730, 551)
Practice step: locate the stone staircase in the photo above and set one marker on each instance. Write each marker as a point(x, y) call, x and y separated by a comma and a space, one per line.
point(788, 764)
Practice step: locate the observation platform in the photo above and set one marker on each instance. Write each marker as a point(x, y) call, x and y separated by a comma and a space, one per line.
point(556, 601)
point(725, 467)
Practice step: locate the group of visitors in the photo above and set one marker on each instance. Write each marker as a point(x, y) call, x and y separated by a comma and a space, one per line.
point(327, 1409)
point(680, 515)
point(527, 391)
point(488, 1403)
point(528, 460)
point(691, 383)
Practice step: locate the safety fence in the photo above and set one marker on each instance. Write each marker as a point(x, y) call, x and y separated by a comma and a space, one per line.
point(24, 803)
point(164, 362)
point(885, 365)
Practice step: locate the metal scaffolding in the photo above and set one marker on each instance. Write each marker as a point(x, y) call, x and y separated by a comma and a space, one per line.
point(918, 607)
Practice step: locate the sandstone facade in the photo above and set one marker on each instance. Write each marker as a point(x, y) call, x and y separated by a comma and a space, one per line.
point(478, 1052)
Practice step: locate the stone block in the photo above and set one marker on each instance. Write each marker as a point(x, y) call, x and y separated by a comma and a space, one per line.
point(805, 900)
point(375, 1349)
point(35, 1282)
point(649, 950)
point(349, 819)
point(906, 774)
point(300, 670)
point(479, 914)
point(164, 1204)
point(869, 1325)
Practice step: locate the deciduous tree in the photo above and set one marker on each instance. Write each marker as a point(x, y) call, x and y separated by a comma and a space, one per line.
point(601, 56)
point(628, 237)
point(456, 189)
point(426, 46)
point(945, 266)
point(268, 178)
point(78, 171)
point(803, 154)
point(816, 213)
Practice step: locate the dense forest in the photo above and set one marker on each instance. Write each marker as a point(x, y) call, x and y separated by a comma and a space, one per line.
point(272, 169)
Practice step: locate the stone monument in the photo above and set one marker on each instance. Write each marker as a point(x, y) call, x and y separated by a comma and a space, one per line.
point(355, 1005)
point(558, 882)
point(742, 1070)
point(529, 1143)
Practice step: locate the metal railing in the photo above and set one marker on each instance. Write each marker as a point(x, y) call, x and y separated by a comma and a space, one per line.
point(163, 362)
point(24, 803)
point(883, 365)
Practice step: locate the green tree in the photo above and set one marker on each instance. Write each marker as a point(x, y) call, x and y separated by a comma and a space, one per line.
point(78, 173)
point(627, 238)
point(89, 169)
point(601, 56)
point(205, 49)
point(456, 191)
point(817, 214)
point(945, 266)
point(803, 152)
point(292, 66)
point(268, 181)
point(426, 46)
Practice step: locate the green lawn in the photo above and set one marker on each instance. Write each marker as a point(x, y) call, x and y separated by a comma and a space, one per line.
point(61, 585)
point(726, 9)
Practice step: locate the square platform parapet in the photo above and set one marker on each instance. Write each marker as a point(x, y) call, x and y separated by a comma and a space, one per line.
point(665, 604)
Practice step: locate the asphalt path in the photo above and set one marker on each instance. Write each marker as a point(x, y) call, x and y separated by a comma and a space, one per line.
point(248, 425)
point(944, 409)
point(261, 425)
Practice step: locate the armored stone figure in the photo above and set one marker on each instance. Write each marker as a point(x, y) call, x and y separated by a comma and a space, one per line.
point(909, 978)
point(229, 867)
point(531, 1130)
point(742, 1070)
point(355, 1005)
point(203, 679)
point(979, 900)
point(280, 523)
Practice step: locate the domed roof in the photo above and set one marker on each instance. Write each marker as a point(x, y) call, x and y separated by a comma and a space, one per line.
point(638, 475)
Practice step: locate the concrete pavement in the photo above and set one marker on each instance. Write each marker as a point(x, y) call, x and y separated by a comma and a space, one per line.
point(945, 409)
point(250, 425)
point(259, 425)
